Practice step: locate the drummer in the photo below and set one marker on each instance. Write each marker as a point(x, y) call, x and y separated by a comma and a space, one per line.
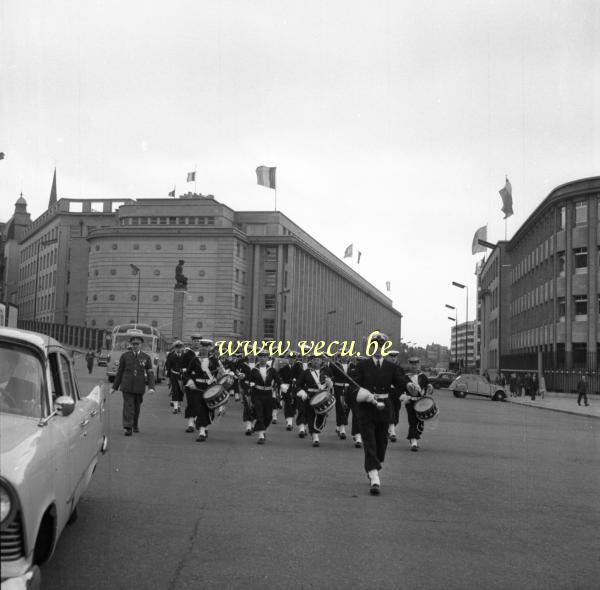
point(418, 387)
point(312, 381)
point(289, 373)
point(262, 380)
point(242, 371)
point(189, 354)
point(174, 367)
point(202, 374)
point(394, 357)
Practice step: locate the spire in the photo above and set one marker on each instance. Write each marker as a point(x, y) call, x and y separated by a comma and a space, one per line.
point(52, 200)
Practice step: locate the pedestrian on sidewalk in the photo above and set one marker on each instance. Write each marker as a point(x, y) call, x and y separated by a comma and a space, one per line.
point(582, 391)
point(542, 386)
point(89, 359)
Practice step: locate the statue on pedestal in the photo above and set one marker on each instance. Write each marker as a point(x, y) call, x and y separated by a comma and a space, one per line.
point(180, 278)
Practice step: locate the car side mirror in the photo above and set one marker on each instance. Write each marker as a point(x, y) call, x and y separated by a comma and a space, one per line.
point(64, 405)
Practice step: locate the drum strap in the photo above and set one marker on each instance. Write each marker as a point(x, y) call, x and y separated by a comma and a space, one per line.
point(379, 396)
point(262, 387)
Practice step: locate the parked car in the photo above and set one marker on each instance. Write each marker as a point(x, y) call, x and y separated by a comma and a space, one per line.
point(52, 436)
point(442, 380)
point(103, 358)
point(477, 385)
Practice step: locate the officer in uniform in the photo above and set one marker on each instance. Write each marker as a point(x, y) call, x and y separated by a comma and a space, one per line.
point(262, 380)
point(339, 369)
point(376, 376)
point(135, 370)
point(174, 365)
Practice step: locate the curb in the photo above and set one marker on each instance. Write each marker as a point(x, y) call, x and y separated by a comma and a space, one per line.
point(573, 413)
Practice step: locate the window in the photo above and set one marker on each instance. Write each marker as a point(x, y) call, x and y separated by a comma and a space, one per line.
point(269, 302)
point(561, 263)
point(210, 221)
point(235, 326)
point(236, 299)
point(270, 278)
point(562, 218)
point(580, 212)
point(237, 275)
point(562, 308)
point(580, 257)
point(268, 329)
point(580, 308)
point(270, 254)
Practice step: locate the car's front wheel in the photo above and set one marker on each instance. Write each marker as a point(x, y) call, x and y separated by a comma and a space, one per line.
point(460, 394)
point(499, 396)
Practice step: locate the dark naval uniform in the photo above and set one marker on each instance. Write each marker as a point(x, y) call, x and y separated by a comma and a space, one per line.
point(203, 379)
point(135, 370)
point(416, 426)
point(377, 376)
point(289, 375)
point(341, 389)
point(261, 392)
point(175, 365)
point(244, 368)
point(312, 386)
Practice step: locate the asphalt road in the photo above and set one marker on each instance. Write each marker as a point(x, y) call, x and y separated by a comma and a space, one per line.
point(500, 496)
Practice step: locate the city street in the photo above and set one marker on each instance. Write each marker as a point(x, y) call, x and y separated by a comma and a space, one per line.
point(500, 496)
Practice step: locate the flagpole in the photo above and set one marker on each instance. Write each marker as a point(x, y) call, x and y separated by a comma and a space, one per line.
point(505, 227)
point(275, 198)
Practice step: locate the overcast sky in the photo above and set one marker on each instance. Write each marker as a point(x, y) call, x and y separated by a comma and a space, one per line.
point(392, 123)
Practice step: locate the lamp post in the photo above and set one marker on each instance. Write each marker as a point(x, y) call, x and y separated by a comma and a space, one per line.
point(461, 286)
point(280, 331)
point(329, 314)
point(37, 277)
point(455, 320)
point(138, 272)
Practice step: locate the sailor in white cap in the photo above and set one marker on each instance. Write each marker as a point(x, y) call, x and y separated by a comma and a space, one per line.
point(174, 366)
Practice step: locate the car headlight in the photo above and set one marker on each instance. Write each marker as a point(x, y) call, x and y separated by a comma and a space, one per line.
point(6, 504)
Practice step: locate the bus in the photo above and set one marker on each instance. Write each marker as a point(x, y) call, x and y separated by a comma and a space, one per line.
point(155, 345)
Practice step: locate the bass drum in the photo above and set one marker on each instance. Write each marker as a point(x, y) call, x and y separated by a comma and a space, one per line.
point(215, 396)
point(425, 408)
point(323, 402)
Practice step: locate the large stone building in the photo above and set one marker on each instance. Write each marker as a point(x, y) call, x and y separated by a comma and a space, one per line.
point(251, 275)
point(11, 233)
point(539, 291)
point(462, 346)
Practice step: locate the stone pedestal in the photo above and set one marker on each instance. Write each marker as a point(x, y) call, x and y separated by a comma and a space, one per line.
point(178, 303)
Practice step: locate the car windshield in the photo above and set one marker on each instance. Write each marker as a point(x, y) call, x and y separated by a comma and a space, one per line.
point(21, 381)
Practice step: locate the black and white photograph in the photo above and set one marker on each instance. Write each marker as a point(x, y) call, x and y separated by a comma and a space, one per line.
point(299, 295)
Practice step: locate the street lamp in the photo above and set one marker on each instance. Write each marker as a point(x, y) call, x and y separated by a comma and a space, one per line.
point(138, 272)
point(461, 286)
point(279, 311)
point(329, 314)
point(37, 276)
point(455, 320)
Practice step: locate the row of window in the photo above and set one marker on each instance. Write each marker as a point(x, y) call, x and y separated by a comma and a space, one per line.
point(46, 260)
point(579, 310)
point(183, 220)
point(44, 282)
point(155, 272)
point(136, 246)
point(133, 297)
point(32, 250)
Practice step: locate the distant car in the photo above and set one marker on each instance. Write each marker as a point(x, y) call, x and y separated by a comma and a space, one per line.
point(442, 380)
point(51, 439)
point(103, 358)
point(477, 385)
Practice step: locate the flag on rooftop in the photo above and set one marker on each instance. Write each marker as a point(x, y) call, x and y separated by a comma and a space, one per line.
point(480, 234)
point(172, 193)
point(388, 286)
point(507, 203)
point(359, 255)
point(348, 251)
point(265, 176)
point(191, 176)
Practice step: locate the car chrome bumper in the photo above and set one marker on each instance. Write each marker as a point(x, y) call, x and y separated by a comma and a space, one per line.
point(30, 580)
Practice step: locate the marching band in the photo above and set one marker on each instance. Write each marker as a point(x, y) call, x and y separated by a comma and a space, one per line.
point(365, 393)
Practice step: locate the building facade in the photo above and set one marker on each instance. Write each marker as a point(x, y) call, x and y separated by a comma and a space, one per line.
point(462, 345)
point(11, 234)
point(540, 290)
point(251, 275)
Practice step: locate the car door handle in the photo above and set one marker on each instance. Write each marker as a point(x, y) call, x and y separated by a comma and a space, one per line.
point(93, 412)
point(84, 423)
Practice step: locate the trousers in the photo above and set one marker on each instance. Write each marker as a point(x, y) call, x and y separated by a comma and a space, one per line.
point(131, 409)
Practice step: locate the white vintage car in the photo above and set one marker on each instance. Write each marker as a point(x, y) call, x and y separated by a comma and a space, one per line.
point(51, 438)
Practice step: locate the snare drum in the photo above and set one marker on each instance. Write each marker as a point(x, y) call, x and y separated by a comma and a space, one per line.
point(322, 403)
point(425, 408)
point(226, 381)
point(215, 396)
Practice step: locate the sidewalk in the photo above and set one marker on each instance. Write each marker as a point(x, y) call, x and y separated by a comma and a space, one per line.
point(561, 402)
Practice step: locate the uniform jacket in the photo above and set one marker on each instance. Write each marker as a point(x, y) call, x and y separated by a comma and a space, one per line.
point(288, 373)
point(175, 364)
point(306, 381)
point(256, 378)
point(379, 380)
point(133, 373)
point(202, 378)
